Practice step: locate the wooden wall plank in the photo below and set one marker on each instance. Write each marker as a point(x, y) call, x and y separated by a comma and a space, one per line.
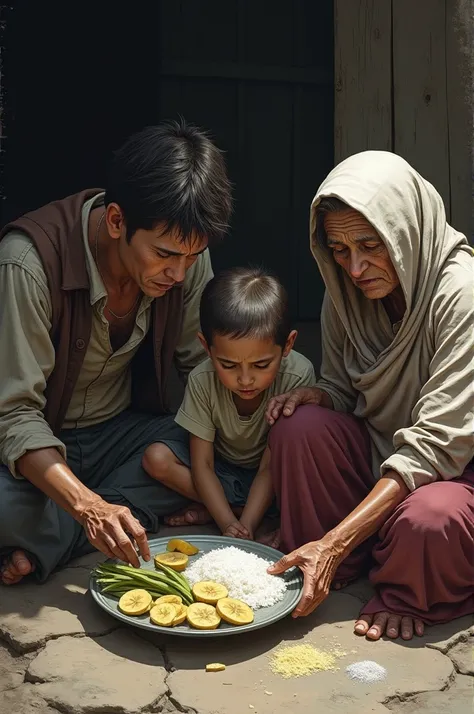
point(420, 96)
point(363, 105)
point(460, 62)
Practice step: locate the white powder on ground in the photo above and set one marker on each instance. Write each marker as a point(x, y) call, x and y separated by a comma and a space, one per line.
point(243, 574)
point(366, 671)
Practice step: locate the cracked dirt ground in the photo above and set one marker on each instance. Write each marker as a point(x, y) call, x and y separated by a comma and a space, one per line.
point(59, 652)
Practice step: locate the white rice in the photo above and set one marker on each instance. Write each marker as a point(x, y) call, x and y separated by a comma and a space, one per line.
point(243, 574)
point(366, 671)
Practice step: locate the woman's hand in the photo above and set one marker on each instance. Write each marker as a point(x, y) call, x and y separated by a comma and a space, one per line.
point(319, 561)
point(286, 403)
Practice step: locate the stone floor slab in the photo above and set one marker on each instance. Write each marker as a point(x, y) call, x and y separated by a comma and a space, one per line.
point(12, 669)
point(443, 637)
point(462, 656)
point(30, 614)
point(118, 672)
point(24, 700)
point(457, 699)
point(411, 668)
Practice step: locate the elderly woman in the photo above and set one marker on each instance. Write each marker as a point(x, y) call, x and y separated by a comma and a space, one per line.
point(373, 467)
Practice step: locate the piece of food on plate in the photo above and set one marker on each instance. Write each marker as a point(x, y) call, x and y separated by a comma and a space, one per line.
point(180, 616)
point(202, 616)
point(235, 612)
point(182, 546)
point(175, 561)
point(209, 592)
point(135, 602)
point(174, 599)
point(164, 614)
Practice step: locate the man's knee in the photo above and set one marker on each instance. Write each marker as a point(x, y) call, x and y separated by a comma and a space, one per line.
point(158, 460)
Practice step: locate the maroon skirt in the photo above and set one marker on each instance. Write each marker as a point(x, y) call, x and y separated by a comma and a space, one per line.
point(421, 563)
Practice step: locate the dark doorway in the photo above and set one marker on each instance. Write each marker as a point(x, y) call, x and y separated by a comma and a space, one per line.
point(257, 75)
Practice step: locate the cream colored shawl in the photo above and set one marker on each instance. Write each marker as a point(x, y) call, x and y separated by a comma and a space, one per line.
point(413, 382)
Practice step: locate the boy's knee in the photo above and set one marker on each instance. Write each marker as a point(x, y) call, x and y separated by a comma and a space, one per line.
point(157, 461)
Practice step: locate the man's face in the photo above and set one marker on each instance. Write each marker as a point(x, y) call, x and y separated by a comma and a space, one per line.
point(358, 249)
point(157, 260)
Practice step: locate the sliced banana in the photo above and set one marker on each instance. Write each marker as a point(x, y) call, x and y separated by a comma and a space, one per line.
point(135, 602)
point(209, 592)
point(215, 667)
point(182, 546)
point(164, 614)
point(202, 616)
point(235, 612)
point(174, 599)
point(177, 561)
point(180, 616)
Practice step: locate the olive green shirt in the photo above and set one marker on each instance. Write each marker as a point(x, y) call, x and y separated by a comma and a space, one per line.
point(27, 355)
point(208, 410)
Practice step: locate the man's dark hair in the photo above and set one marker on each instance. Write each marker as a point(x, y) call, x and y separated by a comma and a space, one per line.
point(326, 205)
point(172, 174)
point(245, 302)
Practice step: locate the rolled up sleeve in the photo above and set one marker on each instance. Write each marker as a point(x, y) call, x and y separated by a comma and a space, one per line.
point(440, 442)
point(189, 351)
point(26, 361)
point(334, 379)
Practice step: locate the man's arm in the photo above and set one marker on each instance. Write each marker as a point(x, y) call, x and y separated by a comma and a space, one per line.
point(27, 444)
point(189, 352)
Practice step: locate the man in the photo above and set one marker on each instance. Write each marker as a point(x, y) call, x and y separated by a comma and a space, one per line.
point(99, 294)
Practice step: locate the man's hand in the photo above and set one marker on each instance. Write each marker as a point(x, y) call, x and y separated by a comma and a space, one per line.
point(319, 561)
point(115, 532)
point(286, 403)
point(236, 530)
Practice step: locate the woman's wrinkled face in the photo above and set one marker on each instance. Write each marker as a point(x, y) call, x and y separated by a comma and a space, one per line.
point(359, 250)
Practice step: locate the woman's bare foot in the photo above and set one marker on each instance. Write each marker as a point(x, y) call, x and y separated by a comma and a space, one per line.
point(386, 623)
point(196, 515)
point(272, 539)
point(15, 567)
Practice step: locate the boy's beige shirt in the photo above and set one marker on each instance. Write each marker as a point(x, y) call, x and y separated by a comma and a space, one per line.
point(208, 410)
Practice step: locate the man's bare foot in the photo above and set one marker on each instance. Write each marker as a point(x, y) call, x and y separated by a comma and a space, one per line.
point(15, 567)
point(272, 539)
point(196, 514)
point(386, 623)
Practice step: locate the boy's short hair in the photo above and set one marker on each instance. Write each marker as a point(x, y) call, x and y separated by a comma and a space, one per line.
point(245, 302)
point(171, 173)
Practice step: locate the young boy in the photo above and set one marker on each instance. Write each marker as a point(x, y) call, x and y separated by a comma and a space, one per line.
point(226, 463)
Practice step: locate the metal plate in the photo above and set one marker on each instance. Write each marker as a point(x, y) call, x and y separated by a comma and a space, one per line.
point(263, 617)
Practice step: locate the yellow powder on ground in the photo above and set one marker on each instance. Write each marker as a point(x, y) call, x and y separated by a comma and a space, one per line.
point(301, 660)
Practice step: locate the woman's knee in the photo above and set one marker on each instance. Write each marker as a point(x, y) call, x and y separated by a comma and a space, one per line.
point(306, 420)
point(158, 460)
point(437, 510)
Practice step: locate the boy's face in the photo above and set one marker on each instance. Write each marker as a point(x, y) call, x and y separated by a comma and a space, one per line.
point(247, 366)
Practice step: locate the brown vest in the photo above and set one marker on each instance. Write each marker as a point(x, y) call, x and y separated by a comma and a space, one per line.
point(56, 231)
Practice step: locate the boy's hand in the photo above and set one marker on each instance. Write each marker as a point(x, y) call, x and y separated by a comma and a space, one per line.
point(236, 530)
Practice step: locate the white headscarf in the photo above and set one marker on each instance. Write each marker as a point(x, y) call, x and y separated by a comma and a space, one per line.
point(413, 384)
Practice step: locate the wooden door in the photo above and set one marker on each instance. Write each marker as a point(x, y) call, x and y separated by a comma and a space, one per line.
point(259, 76)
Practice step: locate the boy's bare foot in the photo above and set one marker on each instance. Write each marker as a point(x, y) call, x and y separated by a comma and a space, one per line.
point(15, 567)
point(196, 514)
point(272, 539)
